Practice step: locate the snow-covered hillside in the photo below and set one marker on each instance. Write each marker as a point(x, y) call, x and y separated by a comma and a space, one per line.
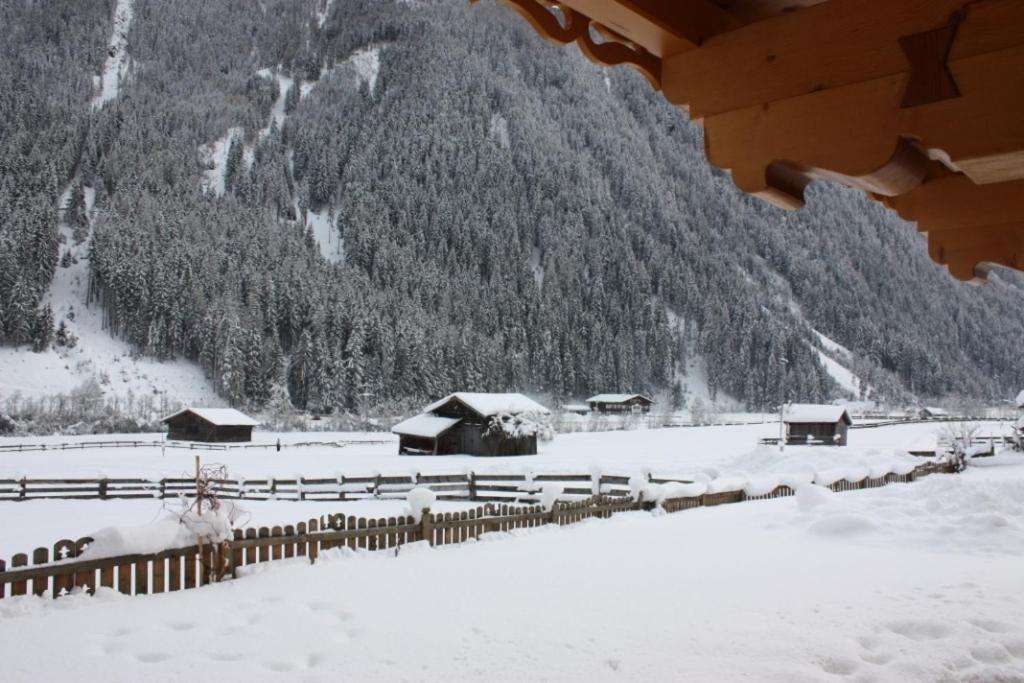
point(96, 355)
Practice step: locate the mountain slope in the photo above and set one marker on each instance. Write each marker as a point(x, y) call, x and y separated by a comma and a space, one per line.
point(381, 202)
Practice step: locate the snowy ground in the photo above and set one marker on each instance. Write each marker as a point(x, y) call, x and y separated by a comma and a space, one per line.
point(918, 582)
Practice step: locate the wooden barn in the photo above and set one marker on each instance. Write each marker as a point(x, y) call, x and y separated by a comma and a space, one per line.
point(473, 424)
point(932, 413)
point(620, 403)
point(213, 425)
point(808, 423)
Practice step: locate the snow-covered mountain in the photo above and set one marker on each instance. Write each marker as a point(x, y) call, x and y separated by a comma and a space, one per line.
point(369, 202)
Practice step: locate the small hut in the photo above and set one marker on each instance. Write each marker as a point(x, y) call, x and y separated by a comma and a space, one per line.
point(808, 423)
point(620, 403)
point(213, 425)
point(932, 413)
point(473, 424)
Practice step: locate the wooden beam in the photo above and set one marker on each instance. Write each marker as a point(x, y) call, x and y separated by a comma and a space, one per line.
point(756, 10)
point(970, 227)
point(850, 134)
point(662, 28)
point(829, 45)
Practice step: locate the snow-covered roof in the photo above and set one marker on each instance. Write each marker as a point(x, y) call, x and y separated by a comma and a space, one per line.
point(492, 404)
point(935, 411)
point(615, 398)
point(805, 413)
point(571, 407)
point(1020, 400)
point(218, 416)
point(428, 426)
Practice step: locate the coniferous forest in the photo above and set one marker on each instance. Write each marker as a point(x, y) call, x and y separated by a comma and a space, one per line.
point(500, 215)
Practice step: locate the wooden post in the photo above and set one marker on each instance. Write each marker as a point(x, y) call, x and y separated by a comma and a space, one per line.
point(24, 490)
point(427, 526)
point(103, 489)
point(472, 486)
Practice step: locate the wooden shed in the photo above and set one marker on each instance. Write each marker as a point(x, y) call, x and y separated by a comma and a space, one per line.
point(473, 424)
point(812, 424)
point(213, 425)
point(620, 403)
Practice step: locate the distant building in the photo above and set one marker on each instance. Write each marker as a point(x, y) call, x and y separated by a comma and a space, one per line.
point(577, 408)
point(620, 403)
point(209, 424)
point(932, 413)
point(808, 423)
point(473, 424)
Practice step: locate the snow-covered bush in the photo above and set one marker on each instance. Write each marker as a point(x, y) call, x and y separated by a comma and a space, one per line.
point(517, 425)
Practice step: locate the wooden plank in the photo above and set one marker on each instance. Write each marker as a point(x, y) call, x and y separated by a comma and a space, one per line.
point(141, 577)
point(264, 551)
point(107, 576)
point(124, 578)
point(40, 585)
point(159, 573)
point(352, 524)
point(289, 546)
point(84, 578)
point(175, 579)
point(277, 549)
point(190, 560)
point(313, 547)
point(302, 543)
point(797, 53)
point(19, 587)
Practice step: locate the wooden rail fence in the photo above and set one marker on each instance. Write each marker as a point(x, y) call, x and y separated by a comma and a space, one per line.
point(180, 445)
point(484, 487)
point(176, 569)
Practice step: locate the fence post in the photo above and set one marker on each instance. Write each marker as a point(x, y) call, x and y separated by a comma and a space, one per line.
point(24, 490)
point(103, 489)
point(472, 486)
point(554, 514)
point(427, 526)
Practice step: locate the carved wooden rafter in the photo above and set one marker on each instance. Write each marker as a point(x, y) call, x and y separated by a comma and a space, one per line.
point(874, 100)
point(616, 50)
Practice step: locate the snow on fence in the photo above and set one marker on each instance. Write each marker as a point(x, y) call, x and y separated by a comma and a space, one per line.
point(190, 567)
point(471, 486)
point(181, 445)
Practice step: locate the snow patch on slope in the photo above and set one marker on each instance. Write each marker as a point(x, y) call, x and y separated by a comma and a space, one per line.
point(96, 356)
point(277, 113)
point(214, 157)
point(364, 64)
point(843, 377)
point(321, 16)
point(116, 67)
point(322, 225)
point(840, 373)
point(832, 345)
point(499, 130)
point(536, 267)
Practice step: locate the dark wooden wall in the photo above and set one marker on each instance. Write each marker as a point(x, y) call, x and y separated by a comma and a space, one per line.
point(189, 427)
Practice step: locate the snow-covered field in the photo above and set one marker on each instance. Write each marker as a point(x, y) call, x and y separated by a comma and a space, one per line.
point(919, 582)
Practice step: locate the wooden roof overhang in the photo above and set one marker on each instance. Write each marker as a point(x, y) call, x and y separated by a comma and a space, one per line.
point(920, 103)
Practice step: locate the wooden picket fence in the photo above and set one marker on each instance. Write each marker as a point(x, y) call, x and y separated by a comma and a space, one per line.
point(176, 569)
